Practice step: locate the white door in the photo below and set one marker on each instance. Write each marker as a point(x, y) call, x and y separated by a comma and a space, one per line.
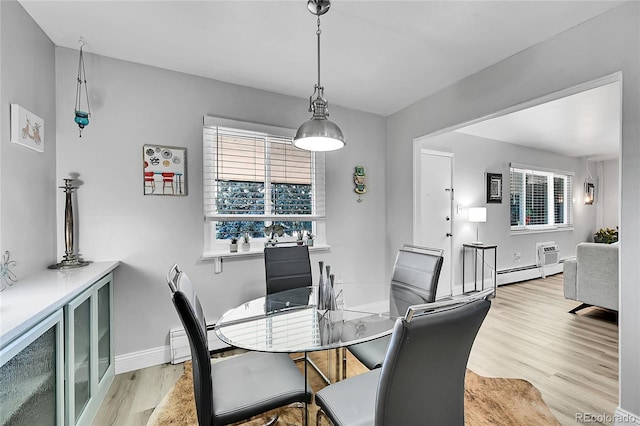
point(433, 218)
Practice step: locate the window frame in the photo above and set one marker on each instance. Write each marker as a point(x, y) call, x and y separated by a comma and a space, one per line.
point(212, 245)
point(550, 175)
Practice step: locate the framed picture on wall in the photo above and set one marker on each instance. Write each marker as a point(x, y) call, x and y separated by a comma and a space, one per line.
point(164, 170)
point(494, 187)
point(27, 129)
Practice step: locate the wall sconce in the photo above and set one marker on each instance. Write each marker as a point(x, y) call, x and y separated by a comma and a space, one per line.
point(589, 193)
point(477, 215)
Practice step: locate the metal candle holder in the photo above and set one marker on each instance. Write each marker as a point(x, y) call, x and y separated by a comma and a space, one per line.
point(70, 259)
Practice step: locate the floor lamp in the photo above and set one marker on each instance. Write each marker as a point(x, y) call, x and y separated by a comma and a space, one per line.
point(477, 215)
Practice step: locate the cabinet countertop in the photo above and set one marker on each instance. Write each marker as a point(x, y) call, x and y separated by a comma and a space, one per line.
point(30, 300)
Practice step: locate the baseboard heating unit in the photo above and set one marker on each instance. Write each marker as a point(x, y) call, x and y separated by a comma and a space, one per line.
point(529, 272)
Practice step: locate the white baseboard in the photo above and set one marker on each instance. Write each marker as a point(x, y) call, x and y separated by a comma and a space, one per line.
point(623, 417)
point(180, 352)
point(142, 359)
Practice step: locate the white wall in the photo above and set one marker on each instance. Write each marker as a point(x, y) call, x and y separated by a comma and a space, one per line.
point(27, 178)
point(473, 157)
point(133, 105)
point(608, 197)
point(597, 48)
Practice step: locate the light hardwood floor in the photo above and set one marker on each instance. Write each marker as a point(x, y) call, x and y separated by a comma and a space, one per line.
point(528, 334)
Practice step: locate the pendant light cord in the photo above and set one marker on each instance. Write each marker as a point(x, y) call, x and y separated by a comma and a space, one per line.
point(82, 78)
point(318, 32)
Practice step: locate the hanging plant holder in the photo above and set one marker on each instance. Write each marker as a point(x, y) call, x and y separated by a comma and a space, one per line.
point(82, 114)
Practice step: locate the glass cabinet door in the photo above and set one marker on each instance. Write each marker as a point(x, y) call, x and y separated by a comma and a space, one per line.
point(78, 355)
point(104, 329)
point(89, 343)
point(32, 376)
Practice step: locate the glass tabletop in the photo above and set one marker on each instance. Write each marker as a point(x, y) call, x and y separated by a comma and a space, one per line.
point(290, 321)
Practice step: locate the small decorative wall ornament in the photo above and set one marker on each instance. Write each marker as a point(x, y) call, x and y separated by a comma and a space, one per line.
point(359, 180)
point(164, 170)
point(82, 115)
point(27, 129)
point(7, 277)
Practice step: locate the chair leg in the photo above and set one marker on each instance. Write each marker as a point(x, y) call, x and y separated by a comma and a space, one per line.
point(321, 414)
point(577, 308)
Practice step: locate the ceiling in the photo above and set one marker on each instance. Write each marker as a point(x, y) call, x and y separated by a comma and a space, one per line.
point(586, 124)
point(377, 56)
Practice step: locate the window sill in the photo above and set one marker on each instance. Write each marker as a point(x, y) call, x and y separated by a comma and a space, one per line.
point(526, 231)
point(254, 251)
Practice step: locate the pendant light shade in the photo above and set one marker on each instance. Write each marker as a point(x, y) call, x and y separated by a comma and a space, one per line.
point(319, 133)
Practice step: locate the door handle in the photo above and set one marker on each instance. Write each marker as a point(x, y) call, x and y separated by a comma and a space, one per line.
point(449, 234)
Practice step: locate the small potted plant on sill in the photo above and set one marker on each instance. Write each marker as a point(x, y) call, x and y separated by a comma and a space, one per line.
point(299, 234)
point(310, 237)
point(233, 246)
point(271, 232)
point(246, 245)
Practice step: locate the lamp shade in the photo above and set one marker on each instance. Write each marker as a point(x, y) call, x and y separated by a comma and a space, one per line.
point(477, 214)
point(319, 134)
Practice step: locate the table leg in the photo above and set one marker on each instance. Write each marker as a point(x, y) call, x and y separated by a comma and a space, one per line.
point(482, 286)
point(464, 255)
point(306, 383)
point(475, 270)
point(495, 272)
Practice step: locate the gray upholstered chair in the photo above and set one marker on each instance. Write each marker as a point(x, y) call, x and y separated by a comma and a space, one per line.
point(414, 281)
point(234, 389)
point(421, 381)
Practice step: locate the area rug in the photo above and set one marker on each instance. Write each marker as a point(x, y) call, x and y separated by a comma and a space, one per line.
point(488, 401)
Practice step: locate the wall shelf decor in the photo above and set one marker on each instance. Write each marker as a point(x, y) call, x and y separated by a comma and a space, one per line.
point(494, 187)
point(27, 129)
point(164, 170)
point(359, 181)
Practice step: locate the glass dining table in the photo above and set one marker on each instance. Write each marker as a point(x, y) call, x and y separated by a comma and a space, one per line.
point(291, 322)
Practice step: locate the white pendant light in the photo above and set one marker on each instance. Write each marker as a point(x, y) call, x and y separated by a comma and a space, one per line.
point(319, 133)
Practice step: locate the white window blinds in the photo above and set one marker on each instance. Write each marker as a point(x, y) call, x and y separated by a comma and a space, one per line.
point(540, 198)
point(261, 176)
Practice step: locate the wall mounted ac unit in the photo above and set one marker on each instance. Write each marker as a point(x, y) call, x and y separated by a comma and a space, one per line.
point(547, 253)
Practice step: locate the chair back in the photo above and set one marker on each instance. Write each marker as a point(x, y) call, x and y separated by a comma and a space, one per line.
point(416, 272)
point(190, 312)
point(287, 267)
point(422, 377)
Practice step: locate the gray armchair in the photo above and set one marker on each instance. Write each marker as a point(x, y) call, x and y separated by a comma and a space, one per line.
point(414, 281)
point(422, 378)
point(240, 387)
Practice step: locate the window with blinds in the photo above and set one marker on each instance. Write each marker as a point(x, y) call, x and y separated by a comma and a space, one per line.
point(253, 179)
point(540, 198)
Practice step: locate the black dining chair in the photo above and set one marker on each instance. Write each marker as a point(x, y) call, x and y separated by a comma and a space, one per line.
point(287, 267)
point(421, 381)
point(240, 387)
point(414, 281)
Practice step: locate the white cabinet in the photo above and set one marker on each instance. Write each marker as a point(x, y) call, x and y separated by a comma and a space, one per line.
point(32, 376)
point(56, 346)
point(89, 351)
